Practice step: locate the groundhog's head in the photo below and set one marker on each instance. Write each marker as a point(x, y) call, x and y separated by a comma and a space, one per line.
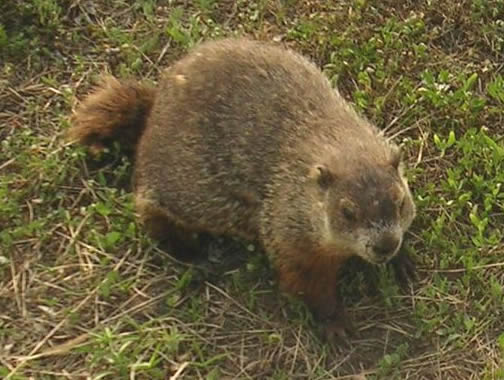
point(367, 207)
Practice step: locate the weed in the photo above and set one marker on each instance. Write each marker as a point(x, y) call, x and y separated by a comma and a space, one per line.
point(80, 278)
point(48, 12)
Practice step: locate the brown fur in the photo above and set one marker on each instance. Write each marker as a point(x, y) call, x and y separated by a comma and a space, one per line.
point(247, 139)
point(114, 111)
point(313, 279)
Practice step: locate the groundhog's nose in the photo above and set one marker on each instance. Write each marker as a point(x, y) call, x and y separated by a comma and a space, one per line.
point(387, 245)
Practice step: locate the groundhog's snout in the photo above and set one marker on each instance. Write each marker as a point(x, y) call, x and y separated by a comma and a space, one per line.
point(387, 245)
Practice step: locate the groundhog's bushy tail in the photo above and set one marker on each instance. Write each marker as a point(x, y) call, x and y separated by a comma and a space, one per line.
point(114, 111)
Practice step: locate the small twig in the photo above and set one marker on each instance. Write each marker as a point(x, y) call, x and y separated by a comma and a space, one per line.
point(179, 371)
point(462, 270)
point(7, 163)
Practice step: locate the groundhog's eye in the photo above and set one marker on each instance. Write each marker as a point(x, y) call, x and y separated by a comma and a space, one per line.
point(349, 214)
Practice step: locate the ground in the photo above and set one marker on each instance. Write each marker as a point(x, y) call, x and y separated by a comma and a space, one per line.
point(84, 294)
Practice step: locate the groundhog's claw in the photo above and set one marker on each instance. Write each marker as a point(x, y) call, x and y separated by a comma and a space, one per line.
point(337, 334)
point(404, 268)
point(337, 329)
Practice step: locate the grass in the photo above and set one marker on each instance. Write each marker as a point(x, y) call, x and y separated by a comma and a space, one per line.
point(85, 294)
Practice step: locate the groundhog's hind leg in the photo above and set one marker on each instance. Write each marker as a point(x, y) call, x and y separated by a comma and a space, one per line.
point(176, 240)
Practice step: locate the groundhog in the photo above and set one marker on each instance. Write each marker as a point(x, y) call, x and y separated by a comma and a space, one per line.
point(249, 139)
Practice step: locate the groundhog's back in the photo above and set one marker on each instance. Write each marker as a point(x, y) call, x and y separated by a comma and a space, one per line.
point(229, 117)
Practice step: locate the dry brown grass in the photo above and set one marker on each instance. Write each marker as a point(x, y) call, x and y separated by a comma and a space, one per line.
point(84, 294)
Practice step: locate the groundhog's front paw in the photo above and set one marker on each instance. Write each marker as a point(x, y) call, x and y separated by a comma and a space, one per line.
point(337, 329)
point(404, 267)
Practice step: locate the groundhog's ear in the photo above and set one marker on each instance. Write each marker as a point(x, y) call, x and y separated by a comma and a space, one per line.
point(396, 157)
point(323, 175)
